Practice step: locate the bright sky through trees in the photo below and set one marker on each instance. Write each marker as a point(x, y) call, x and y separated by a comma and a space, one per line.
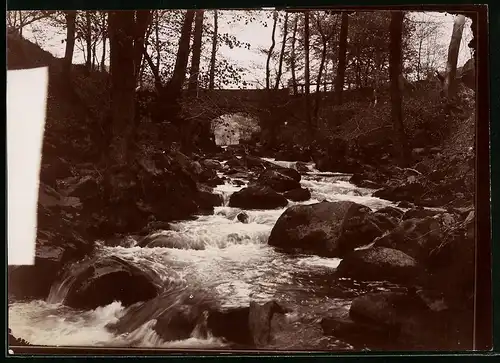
point(254, 60)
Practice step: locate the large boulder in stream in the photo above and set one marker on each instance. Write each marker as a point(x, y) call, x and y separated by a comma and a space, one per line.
point(109, 279)
point(298, 195)
point(281, 180)
point(257, 197)
point(379, 264)
point(246, 326)
point(325, 229)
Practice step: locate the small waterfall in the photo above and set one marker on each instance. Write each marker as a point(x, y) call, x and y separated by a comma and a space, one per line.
point(60, 289)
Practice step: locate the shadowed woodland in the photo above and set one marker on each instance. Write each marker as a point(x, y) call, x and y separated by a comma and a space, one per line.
point(146, 134)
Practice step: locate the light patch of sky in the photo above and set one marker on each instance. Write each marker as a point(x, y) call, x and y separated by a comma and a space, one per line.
point(253, 60)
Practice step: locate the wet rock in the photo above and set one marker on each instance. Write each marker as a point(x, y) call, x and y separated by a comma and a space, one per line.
point(13, 341)
point(208, 200)
point(256, 197)
point(325, 229)
point(238, 149)
point(295, 153)
point(386, 309)
point(411, 324)
point(383, 221)
point(154, 226)
point(109, 279)
point(122, 241)
point(356, 333)
point(301, 167)
point(170, 240)
point(405, 204)
point(400, 321)
point(379, 264)
point(209, 176)
point(238, 182)
point(419, 213)
point(211, 164)
point(415, 237)
point(236, 162)
point(298, 195)
point(242, 217)
point(278, 180)
point(364, 180)
point(178, 312)
point(180, 323)
point(213, 182)
point(391, 211)
point(332, 156)
point(247, 326)
point(183, 161)
point(260, 317)
point(231, 324)
point(345, 165)
point(410, 192)
point(396, 314)
point(256, 163)
point(291, 173)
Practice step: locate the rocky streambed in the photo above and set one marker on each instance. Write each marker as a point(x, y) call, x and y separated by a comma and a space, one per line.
point(290, 258)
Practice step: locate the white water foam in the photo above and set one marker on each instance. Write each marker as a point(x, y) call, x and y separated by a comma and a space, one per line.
point(41, 323)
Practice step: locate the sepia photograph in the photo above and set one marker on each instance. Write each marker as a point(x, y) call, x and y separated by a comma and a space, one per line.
point(245, 180)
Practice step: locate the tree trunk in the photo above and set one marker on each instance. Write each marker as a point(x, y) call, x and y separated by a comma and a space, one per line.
point(270, 53)
point(395, 66)
point(178, 77)
point(145, 51)
point(292, 63)
point(155, 70)
point(104, 36)
point(318, 80)
point(211, 82)
point(307, 75)
point(88, 40)
point(142, 21)
point(121, 34)
point(418, 59)
point(358, 72)
point(282, 53)
point(95, 62)
point(70, 42)
point(339, 81)
point(21, 23)
point(195, 60)
point(157, 39)
point(450, 84)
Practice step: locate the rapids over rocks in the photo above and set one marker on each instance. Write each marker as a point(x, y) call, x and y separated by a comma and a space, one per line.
point(216, 261)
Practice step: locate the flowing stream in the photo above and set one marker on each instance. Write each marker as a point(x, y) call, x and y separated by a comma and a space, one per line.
point(228, 257)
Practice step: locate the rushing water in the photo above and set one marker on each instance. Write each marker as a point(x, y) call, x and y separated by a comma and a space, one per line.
point(229, 258)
